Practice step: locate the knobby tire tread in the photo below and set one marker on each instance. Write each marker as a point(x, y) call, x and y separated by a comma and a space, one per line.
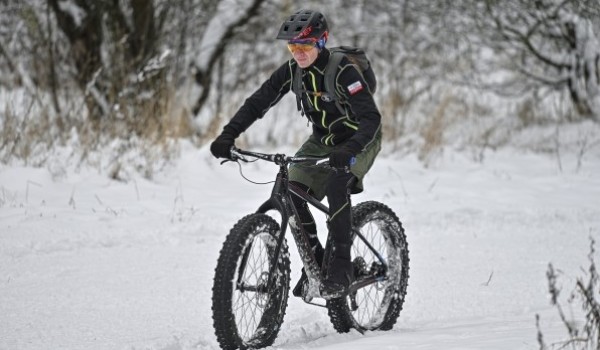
point(223, 318)
point(338, 309)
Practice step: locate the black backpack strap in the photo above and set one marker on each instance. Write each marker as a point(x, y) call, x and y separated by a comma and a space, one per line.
point(335, 58)
point(297, 87)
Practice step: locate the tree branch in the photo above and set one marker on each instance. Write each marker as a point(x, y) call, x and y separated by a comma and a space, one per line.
point(203, 75)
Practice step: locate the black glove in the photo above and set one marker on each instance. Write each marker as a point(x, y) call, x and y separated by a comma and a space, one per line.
point(221, 146)
point(340, 158)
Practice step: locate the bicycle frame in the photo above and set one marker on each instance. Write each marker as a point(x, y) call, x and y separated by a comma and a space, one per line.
point(281, 201)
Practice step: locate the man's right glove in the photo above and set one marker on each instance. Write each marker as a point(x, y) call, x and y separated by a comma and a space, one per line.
point(340, 158)
point(221, 146)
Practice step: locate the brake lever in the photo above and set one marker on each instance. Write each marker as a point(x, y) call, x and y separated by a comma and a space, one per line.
point(237, 156)
point(234, 156)
point(324, 162)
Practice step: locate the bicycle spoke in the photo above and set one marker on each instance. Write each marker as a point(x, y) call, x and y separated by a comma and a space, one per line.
point(248, 305)
point(245, 313)
point(370, 300)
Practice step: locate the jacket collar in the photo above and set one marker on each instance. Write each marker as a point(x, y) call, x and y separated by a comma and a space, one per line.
point(321, 60)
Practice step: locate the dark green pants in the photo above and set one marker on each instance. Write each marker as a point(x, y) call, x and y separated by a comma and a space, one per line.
point(336, 186)
point(316, 178)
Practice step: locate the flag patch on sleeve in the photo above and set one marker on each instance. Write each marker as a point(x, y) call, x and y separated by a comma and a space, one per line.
point(355, 87)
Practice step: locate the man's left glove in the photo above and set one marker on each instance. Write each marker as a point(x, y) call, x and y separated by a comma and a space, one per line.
point(221, 146)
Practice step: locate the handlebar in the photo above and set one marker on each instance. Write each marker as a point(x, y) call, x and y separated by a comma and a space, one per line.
point(280, 159)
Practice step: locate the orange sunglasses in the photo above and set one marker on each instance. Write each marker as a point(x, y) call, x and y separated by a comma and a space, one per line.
point(301, 45)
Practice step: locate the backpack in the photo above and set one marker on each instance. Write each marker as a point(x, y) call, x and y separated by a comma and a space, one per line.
point(356, 56)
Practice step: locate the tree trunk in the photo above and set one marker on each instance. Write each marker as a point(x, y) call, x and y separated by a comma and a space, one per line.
point(85, 39)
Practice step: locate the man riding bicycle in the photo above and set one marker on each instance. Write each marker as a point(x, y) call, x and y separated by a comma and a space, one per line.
point(350, 137)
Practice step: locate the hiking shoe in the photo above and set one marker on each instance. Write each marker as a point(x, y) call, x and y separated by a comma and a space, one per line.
point(301, 286)
point(340, 275)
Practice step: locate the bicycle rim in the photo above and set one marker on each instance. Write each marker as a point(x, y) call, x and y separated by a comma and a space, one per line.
point(249, 297)
point(246, 313)
point(373, 301)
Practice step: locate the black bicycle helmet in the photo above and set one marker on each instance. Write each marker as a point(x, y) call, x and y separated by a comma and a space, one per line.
point(303, 24)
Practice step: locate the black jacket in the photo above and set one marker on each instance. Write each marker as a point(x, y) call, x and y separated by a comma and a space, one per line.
point(355, 131)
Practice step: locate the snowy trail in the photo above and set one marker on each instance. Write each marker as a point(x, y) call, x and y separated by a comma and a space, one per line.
point(89, 263)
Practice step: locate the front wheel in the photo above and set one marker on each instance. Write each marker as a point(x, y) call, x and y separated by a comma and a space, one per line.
point(378, 305)
point(246, 313)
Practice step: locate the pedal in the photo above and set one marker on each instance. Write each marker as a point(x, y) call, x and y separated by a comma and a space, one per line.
point(307, 298)
point(329, 294)
point(305, 294)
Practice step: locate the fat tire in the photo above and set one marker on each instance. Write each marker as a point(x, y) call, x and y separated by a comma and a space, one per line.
point(339, 311)
point(232, 252)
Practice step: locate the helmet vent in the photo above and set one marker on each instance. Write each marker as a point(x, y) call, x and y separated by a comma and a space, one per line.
point(307, 23)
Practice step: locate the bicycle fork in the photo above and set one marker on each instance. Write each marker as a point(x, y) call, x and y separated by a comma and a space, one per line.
point(288, 219)
point(281, 202)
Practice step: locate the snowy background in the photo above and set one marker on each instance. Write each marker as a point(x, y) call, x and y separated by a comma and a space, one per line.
point(113, 212)
point(92, 263)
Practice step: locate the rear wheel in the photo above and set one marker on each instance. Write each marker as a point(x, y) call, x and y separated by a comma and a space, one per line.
point(378, 305)
point(246, 313)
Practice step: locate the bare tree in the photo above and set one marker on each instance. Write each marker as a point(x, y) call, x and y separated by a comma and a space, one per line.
point(549, 44)
point(215, 44)
point(94, 28)
point(134, 62)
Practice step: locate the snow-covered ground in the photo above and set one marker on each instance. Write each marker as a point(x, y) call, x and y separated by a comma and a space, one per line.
point(91, 263)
